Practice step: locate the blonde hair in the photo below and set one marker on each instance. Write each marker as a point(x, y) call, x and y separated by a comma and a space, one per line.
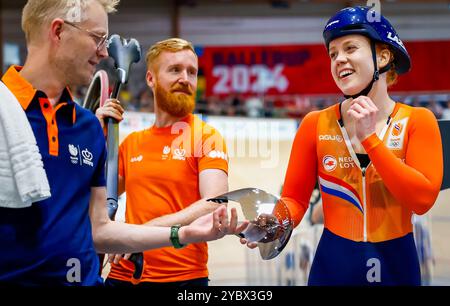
point(391, 74)
point(36, 13)
point(171, 45)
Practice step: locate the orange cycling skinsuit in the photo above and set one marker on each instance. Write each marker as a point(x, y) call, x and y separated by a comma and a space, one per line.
point(367, 210)
point(368, 199)
point(161, 169)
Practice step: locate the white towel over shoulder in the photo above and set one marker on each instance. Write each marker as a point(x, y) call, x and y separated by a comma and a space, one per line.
point(22, 175)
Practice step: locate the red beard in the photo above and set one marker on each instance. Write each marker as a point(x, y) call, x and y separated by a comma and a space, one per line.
point(178, 102)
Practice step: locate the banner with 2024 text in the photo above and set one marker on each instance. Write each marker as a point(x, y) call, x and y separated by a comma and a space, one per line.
point(305, 69)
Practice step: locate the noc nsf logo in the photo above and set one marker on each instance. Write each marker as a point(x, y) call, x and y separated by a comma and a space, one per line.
point(84, 158)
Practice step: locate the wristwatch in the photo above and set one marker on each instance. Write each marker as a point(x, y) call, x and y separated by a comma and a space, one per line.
point(174, 236)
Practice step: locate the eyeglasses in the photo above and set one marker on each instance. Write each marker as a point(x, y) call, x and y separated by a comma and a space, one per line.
point(100, 40)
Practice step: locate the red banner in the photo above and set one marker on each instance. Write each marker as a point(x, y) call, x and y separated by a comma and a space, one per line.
point(305, 69)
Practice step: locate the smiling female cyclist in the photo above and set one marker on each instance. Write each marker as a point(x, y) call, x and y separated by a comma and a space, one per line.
point(382, 162)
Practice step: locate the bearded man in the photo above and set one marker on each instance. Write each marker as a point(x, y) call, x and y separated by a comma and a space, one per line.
point(168, 168)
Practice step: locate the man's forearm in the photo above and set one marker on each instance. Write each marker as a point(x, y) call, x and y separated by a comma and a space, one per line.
point(121, 238)
point(185, 216)
point(118, 237)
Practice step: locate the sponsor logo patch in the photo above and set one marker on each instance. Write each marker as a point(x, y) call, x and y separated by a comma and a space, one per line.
point(397, 134)
point(81, 157)
point(337, 138)
point(136, 159)
point(329, 163)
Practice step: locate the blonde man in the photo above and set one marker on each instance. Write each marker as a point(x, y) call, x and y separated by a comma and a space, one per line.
point(54, 242)
point(166, 169)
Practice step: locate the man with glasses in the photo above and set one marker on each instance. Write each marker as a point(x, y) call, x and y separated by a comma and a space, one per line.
point(99, 39)
point(54, 241)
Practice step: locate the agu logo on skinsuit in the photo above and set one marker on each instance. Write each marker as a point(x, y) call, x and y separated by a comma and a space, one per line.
point(337, 138)
point(329, 163)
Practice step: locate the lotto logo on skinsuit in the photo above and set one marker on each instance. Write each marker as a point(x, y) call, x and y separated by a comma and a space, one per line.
point(329, 163)
point(346, 162)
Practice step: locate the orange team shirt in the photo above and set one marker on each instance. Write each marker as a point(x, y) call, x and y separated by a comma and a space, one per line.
point(161, 169)
point(366, 204)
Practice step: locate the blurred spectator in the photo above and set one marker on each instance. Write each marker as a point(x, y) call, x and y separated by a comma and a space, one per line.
point(436, 108)
point(313, 107)
point(278, 106)
point(269, 108)
point(298, 107)
point(146, 101)
point(201, 106)
point(237, 105)
point(78, 93)
point(446, 111)
point(214, 107)
point(254, 107)
point(125, 98)
point(415, 101)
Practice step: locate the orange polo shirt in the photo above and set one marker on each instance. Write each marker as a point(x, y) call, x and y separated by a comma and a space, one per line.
point(161, 168)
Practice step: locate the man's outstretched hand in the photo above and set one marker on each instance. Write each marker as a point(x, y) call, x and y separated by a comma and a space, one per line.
point(212, 226)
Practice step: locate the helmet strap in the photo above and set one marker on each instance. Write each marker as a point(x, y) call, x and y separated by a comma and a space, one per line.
point(376, 73)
